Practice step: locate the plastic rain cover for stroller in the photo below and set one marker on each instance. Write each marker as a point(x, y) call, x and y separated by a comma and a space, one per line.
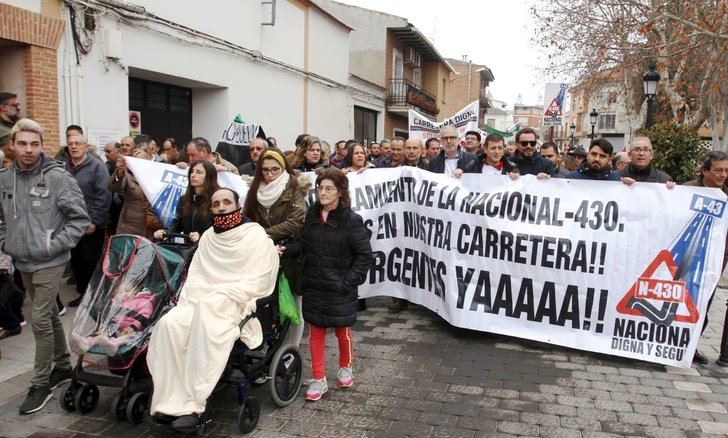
point(127, 294)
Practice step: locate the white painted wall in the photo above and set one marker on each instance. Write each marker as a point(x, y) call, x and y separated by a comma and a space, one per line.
point(31, 5)
point(223, 83)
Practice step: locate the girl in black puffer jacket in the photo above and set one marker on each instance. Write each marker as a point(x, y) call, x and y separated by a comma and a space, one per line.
point(337, 256)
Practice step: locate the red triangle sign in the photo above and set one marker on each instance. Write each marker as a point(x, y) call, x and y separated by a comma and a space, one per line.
point(670, 290)
point(554, 110)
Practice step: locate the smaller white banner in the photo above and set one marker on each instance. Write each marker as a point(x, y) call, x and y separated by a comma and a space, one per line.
point(463, 121)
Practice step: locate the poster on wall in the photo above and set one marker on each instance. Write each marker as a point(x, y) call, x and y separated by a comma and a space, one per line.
point(135, 123)
point(99, 137)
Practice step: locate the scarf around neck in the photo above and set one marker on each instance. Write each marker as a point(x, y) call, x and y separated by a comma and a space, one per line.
point(227, 221)
point(268, 194)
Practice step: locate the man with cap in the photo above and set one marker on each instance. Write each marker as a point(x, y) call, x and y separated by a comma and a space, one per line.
point(579, 154)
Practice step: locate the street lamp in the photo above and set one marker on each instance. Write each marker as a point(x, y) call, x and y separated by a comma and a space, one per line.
point(650, 80)
point(593, 116)
point(572, 130)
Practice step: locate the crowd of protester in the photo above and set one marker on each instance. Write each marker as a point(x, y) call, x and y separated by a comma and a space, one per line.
point(58, 212)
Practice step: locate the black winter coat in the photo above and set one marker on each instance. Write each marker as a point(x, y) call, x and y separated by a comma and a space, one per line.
point(337, 256)
point(192, 221)
point(533, 165)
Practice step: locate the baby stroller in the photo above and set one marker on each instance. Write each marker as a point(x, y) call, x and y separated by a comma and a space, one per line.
point(130, 290)
point(279, 365)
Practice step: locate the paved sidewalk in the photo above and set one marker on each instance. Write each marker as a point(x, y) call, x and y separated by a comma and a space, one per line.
point(416, 375)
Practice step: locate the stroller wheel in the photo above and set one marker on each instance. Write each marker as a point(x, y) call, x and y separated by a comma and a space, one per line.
point(68, 397)
point(137, 407)
point(248, 414)
point(285, 375)
point(118, 407)
point(87, 397)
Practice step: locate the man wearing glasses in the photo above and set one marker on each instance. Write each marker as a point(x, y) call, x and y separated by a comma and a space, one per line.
point(528, 161)
point(257, 147)
point(9, 114)
point(641, 168)
point(451, 156)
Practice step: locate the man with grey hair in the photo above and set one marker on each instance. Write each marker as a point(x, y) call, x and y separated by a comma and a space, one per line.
point(451, 156)
point(93, 180)
point(640, 167)
point(42, 217)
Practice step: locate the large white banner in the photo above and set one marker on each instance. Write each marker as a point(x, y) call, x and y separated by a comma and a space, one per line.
point(164, 185)
point(591, 265)
point(463, 121)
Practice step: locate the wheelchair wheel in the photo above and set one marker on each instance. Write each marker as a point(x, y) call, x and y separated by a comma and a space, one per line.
point(118, 407)
point(285, 375)
point(87, 397)
point(248, 414)
point(137, 407)
point(68, 397)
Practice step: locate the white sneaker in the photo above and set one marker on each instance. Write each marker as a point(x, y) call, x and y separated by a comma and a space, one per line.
point(344, 378)
point(316, 389)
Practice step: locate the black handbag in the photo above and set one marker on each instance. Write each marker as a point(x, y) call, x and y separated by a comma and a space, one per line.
point(9, 291)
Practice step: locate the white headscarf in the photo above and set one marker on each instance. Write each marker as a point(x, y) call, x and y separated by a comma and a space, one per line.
point(268, 194)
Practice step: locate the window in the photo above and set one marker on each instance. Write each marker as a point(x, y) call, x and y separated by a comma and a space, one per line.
point(365, 125)
point(607, 121)
point(444, 90)
point(397, 65)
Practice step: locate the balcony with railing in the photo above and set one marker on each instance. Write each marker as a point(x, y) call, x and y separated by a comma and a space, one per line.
point(404, 92)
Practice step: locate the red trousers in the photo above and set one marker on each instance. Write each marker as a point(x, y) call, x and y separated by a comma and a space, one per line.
point(317, 343)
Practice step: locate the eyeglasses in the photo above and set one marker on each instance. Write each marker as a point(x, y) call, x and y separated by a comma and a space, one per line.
point(450, 138)
point(640, 150)
point(528, 143)
point(326, 189)
point(271, 170)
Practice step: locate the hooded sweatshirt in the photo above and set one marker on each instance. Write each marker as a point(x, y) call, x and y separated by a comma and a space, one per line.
point(42, 214)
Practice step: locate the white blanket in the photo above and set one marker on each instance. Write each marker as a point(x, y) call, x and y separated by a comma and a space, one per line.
point(191, 344)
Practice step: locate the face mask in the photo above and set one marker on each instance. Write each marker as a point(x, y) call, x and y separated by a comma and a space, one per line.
point(227, 221)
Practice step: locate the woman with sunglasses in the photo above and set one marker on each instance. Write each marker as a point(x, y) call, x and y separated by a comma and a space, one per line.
point(276, 201)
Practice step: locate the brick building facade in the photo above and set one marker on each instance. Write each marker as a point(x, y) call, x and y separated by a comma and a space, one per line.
point(469, 83)
point(35, 37)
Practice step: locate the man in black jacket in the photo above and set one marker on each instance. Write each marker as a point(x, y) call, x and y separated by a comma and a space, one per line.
point(640, 167)
point(452, 156)
point(491, 160)
point(257, 147)
point(529, 162)
point(413, 153)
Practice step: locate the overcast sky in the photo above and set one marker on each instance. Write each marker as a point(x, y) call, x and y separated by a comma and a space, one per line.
point(496, 33)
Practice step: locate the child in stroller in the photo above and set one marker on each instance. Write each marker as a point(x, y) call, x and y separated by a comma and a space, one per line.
point(135, 308)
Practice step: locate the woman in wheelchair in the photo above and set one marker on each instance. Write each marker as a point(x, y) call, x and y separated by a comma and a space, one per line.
point(235, 264)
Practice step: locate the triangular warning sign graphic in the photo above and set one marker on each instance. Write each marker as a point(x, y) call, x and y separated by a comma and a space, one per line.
point(554, 109)
point(664, 257)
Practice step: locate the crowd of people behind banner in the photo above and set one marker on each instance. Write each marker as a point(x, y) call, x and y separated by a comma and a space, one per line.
point(58, 212)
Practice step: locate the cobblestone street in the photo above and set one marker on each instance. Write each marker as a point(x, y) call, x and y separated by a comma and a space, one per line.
point(415, 375)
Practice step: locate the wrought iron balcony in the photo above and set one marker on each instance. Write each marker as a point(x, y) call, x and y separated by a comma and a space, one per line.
point(404, 92)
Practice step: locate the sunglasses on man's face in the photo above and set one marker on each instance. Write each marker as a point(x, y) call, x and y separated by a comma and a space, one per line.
point(528, 143)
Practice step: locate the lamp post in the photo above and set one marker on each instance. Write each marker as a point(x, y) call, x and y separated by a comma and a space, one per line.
point(593, 116)
point(650, 80)
point(572, 130)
